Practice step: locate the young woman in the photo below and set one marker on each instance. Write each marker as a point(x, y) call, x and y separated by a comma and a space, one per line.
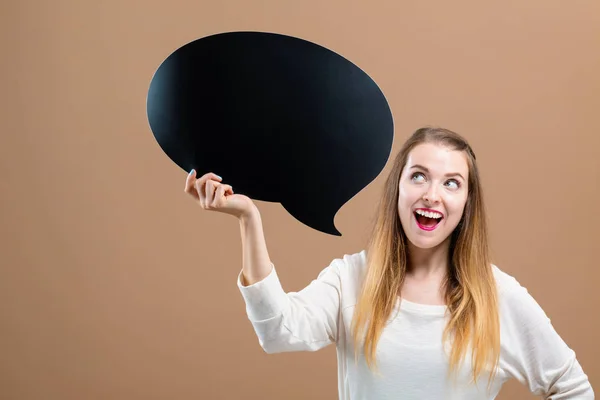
point(422, 313)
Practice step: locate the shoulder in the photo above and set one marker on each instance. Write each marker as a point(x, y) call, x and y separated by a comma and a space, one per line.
point(348, 270)
point(349, 266)
point(505, 282)
point(352, 266)
point(515, 301)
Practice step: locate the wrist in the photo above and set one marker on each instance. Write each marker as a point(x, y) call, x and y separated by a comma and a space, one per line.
point(250, 216)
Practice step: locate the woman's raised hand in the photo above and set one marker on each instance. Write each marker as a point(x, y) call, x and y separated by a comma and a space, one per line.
point(213, 195)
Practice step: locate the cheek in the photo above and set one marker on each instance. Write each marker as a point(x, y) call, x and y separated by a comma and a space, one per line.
point(455, 206)
point(407, 195)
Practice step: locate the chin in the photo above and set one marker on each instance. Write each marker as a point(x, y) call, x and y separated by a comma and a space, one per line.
point(423, 239)
point(423, 243)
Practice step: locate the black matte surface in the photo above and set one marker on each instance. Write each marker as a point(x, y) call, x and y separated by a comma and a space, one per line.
point(279, 118)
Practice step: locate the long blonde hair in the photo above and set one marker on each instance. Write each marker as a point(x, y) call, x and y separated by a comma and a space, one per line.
point(470, 288)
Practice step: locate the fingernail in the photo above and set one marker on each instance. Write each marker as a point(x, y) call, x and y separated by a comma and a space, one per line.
point(219, 177)
point(192, 171)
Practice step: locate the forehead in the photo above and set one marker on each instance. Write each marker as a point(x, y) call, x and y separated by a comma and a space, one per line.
point(438, 159)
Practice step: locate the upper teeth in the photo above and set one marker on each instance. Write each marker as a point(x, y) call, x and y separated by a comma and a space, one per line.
point(429, 214)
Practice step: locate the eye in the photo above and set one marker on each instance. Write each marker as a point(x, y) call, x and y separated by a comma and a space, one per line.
point(414, 176)
point(455, 182)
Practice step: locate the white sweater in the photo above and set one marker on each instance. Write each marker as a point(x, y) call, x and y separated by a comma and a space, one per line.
point(410, 358)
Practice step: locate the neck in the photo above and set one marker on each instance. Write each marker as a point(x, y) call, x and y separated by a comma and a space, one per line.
point(428, 263)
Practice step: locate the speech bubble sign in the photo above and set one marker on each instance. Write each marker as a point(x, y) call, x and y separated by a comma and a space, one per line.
point(279, 118)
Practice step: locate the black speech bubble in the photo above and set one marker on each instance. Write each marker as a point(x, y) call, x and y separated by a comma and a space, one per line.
point(281, 119)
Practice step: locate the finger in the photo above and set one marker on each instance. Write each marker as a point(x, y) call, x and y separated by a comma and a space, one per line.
point(227, 189)
point(208, 176)
point(201, 187)
point(200, 191)
point(220, 192)
point(209, 194)
point(189, 184)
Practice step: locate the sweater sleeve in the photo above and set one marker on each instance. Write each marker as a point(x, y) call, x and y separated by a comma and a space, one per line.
point(535, 354)
point(295, 321)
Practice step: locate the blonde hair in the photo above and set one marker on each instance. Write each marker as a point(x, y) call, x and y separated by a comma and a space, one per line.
point(470, 288)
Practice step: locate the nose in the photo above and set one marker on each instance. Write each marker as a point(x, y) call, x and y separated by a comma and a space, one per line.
point(431, 195)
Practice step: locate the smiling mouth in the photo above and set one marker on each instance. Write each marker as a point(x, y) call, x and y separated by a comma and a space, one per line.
point(427, 223)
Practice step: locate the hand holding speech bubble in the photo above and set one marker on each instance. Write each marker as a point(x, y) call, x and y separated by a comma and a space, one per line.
point(280, 119)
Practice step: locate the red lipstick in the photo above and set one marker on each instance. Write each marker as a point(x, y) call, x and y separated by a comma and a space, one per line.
point(427, 227)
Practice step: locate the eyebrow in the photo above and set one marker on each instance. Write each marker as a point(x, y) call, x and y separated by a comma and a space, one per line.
point(417, 166)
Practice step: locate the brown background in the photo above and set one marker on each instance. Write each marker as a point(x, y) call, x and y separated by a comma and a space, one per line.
point(115, 285)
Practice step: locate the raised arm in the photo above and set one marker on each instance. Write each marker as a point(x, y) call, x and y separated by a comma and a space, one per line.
point(286, 321)
point(256, 264)
point(302, 321)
